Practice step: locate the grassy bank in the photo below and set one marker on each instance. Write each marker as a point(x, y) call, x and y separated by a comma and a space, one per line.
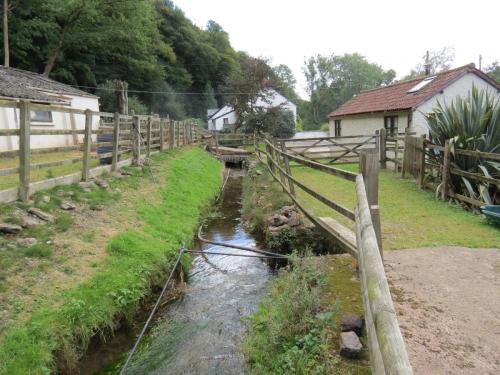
point(296, 327)
point(410, 217)
point(58, 330)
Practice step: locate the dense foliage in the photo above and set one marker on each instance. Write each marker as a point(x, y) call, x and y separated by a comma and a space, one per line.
point(470, 123)
point(171, 65)
point(332, 80)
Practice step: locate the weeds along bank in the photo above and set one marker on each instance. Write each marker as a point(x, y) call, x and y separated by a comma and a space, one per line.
point(139, 253)
point(296, 328)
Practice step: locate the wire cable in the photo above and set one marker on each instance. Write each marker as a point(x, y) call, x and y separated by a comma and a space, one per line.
point(150, 318)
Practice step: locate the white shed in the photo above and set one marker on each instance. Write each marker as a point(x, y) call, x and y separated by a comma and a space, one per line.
point(16, 84)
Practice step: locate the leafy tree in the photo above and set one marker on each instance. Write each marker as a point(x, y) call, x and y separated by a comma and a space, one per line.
point(284, 81)
point(276, 121)
point(439, 61)
point(332, 80)
point(494, 71)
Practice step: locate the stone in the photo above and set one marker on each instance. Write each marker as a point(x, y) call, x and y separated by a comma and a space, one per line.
point(352, 322)
point(41, 214)
point(294, 219)
point(87, 190)
point(97, 207)
point(45, 199)
point(123, 172)
point(350, 346)
point(277, 220)
point(27, 242)
point(258, 172)
point(28, 221)
point(10, 228)
point(102, 184)
point(276, 230)
point(86, 185)
point(68, 206)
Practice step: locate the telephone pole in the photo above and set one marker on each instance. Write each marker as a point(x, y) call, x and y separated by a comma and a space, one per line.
point(6, 50)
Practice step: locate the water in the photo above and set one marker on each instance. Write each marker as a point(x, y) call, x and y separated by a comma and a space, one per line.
point(201, 332)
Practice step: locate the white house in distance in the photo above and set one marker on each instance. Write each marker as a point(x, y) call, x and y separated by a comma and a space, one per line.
point(220, 117)
point(403, 105)
point(18, 85)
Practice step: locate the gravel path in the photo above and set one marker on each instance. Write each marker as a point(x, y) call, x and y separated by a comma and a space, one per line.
point(448, 305)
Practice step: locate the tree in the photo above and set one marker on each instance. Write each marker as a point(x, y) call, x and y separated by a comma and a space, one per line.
point(493, 71)
point(438, 61)
point(284, 81)
point(6, 50)
point(332, 80)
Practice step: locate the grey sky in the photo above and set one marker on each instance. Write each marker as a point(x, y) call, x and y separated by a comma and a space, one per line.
point(394, 34)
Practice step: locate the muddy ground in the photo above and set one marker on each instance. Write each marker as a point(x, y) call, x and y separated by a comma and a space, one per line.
point(448, 305)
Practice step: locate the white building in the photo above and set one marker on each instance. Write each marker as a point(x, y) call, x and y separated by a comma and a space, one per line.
point(403, 105)
point(18, 85)
point(225, 116)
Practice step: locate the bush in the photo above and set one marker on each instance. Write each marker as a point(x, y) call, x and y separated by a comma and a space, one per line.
point(469, 123)
point(287, 332)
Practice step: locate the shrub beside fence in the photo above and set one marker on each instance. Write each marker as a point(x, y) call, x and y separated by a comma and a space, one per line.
point(433, 167)
point(385, 342)
point(122, 139)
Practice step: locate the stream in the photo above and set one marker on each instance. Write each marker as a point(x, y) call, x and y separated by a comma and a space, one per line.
point(201, 332)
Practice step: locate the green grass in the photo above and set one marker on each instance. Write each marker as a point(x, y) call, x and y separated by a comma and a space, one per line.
point(39, 250)
point(137, 257)
point(291, 332)
point(411, 217)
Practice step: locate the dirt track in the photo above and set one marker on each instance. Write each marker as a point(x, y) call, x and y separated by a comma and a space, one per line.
point(448, 305)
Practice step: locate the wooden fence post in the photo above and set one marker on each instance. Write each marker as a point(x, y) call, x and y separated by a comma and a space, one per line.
point(382, 144)
point(136, 140)
point(24, 150)
point(171, 134)
point(116, 142)
point(178, 133)
point(148, 137)
point(288, 170)
point(446, 171)
point(421, 176)
point(162, 134)
point(404, 166)
point(369, 168)
point(87, 144)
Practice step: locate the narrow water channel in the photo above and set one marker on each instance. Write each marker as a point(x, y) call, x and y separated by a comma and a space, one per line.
point(201, 332)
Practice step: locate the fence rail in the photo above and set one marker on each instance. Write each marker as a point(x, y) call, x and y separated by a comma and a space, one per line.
point(431, 165)
point(385, 341)
point(336, 150)
point(121, 138)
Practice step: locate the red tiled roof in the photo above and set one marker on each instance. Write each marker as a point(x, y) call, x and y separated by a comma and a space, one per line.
point(395, 97)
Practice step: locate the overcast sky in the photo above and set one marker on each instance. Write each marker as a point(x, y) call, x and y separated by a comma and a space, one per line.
point(394, 34)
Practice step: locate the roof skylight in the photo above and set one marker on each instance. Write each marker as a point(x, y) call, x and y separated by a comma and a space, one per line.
point(421, 85)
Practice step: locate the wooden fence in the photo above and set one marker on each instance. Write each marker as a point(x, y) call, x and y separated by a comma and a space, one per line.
point(386, 346)
point(333, 150)
point(432, 166)
point(121, 138)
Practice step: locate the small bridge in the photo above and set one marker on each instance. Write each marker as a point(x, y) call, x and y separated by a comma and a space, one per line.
point(386, 346)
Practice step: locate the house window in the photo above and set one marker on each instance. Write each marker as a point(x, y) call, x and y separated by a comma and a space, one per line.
point(41, 116)
point(421, 85)
point(225, 121)
point(338, 128)
point(391, 124)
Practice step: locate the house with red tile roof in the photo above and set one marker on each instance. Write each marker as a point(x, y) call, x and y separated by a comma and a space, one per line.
point(403, 105)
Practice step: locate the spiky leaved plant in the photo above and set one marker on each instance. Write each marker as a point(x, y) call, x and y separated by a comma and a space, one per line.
point(470, 123)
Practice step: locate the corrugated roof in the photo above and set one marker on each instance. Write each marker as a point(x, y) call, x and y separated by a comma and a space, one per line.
point(396, 97)
point(22, 84)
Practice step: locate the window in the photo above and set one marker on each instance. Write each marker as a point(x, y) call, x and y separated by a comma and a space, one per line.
point(41, 116)
point(391, 124)
point(421, 85)
point(338, 128)
point(225, 121)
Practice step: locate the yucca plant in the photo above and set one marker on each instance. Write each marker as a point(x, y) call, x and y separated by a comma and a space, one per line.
point(469, 123)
